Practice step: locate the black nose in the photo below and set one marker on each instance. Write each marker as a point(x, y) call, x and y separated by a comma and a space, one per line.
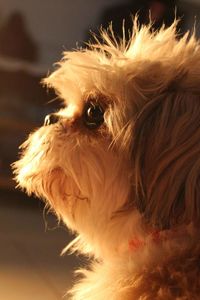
point(51, 119)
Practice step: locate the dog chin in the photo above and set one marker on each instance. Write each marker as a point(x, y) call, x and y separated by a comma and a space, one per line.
point(70, 176)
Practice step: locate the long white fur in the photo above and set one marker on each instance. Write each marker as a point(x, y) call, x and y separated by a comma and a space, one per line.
point(87, 180)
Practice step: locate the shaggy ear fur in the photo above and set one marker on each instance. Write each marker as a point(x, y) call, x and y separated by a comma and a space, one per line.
point(166, 159)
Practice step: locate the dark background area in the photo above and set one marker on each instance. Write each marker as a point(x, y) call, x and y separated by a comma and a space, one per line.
point(33, 34)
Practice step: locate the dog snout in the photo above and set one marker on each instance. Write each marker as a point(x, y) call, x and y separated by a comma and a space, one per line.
point(51, 119)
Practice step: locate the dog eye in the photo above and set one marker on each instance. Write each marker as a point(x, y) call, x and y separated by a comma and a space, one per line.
point(93, 115)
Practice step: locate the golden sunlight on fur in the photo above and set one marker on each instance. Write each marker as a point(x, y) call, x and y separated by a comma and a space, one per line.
point(120, 164)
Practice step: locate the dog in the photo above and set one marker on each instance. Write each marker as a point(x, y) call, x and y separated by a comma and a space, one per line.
point(119, 164)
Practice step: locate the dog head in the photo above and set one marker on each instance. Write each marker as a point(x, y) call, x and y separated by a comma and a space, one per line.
point(123, 153)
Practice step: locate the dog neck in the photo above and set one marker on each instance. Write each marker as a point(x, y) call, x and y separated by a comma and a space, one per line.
point(138, 243)
point(159, 238)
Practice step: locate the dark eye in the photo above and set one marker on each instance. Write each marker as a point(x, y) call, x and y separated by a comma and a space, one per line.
point(93, 115)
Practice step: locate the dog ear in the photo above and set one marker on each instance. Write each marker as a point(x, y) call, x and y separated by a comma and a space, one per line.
point(166, 160)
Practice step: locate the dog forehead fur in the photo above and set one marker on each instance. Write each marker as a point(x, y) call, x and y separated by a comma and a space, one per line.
point(148, 64)
point(136, 174)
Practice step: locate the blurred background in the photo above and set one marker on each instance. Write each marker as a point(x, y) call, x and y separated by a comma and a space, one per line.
point(33, 35)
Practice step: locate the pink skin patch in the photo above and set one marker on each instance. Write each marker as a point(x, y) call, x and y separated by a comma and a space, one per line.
point(136, 243)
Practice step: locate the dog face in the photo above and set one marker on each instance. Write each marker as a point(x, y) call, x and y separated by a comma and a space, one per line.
point(122, 154)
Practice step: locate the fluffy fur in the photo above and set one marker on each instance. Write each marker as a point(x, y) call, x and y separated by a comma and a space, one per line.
point(129, 188)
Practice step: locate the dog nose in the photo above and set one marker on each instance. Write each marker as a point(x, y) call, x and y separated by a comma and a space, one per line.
point(51, 119)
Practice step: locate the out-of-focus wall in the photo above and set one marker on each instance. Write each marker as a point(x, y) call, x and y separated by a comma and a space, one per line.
point(191, 9)
point(57, 24)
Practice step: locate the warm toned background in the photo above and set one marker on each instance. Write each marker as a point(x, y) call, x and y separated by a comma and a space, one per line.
point(33, 34)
